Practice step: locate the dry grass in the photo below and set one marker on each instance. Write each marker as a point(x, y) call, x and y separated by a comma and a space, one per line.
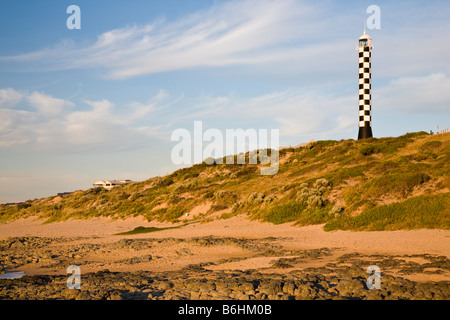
point(363, 175)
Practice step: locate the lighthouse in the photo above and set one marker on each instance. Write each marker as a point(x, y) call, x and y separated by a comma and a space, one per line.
point(365, 86)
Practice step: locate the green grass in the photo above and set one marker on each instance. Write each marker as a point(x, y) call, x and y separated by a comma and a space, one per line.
point(400, 184)
point(299, 213)
point(430, 146)
point(312, 216)
point(284, 213)
point(385, 147)
point(338, 176)
point(426, 211)
point(140, 229)
point(361, 174)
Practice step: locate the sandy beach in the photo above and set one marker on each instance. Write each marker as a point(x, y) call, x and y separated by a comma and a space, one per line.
point(375, 242)
point(232, 245)
point(104, 230)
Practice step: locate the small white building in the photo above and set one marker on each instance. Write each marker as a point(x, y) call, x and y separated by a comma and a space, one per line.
point(108, 185)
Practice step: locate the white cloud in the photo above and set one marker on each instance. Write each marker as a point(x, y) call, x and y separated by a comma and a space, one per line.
point(313, 41)
point(92, 126)
point(15, 127)
point(103, 125)
point(425, 94)
point(47, 105)
point(296, 112)
point(9, 97)
point(300, 113)
point(56, 124)
point(230, 33)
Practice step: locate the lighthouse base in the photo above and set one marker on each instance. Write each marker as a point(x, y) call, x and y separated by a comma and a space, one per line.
point(365, 133)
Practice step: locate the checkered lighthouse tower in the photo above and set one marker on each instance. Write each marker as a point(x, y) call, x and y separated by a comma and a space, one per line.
point(365, 86)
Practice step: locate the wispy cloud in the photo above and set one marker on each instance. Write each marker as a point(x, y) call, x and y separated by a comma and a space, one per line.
point(285, 36)
point(9, 97)
point(230, 33)
point(296, 112)
point(47, 105)
point(42, 121)
point(39, 120)
point(427, 94)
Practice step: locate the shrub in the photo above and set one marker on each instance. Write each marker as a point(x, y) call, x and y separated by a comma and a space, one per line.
point(338, 176)
point(217, 207)
point(426, 211)
point(304, 194)
point(315, 201)
point(247, 170)
point(208, 195)
point(313, 197)
point(303, 185)
point(418, 156)
point(173, 198)
point(269, 199)
point(23, 206)
point(225, 198)
point(414, 134)
point(123, 196)
point(336, 211)
point(368, 150)
point(255, 198)
point(385, 145)
point(430, 146)
point(238, 205)
point(386, 167)
point(401, 184)
point(285, 213)
point(173, 213)
point(315, 215)
point(163, 182)
point(351, 195)
point(221, 194)
point(321, 183)
point(305, 169)
point(135, 195)
point(187, 185)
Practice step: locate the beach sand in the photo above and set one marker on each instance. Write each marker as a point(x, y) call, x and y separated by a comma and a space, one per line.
point(103, 230)
point(231, 245)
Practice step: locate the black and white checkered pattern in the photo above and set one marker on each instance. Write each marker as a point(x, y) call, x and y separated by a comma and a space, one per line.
point(365, 86)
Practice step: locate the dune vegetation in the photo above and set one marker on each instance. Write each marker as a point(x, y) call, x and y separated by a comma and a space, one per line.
point(374, 184)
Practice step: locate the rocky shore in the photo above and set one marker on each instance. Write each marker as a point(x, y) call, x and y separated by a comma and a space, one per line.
point(282, 273)
point(197, 284)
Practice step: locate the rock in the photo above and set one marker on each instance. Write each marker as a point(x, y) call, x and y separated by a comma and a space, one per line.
point(163, 285)
point(374, 294)
point(82, 296)
point(271, 287)
point(305, 292)
point(349, 287)
point(70, 294)
point(289, 287)
point(115, 295)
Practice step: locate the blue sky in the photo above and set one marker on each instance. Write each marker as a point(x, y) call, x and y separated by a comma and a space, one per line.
point(101, 102)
